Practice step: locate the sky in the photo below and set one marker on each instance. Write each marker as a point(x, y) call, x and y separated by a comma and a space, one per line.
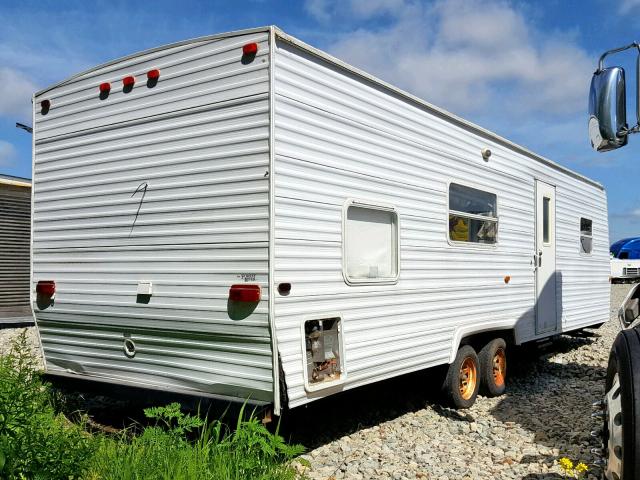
point(520, 69)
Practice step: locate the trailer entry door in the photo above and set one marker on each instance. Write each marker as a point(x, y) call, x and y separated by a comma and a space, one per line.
point(545, 258)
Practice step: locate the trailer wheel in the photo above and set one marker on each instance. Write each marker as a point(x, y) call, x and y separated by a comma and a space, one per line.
point(462, 381)
point(493, 367)
point(622, 402)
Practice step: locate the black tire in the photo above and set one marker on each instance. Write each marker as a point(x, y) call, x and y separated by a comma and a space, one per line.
point(492, 381)
point(624, 360)
point(452, 383)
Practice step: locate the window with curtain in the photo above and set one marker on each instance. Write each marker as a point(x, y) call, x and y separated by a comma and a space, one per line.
point(473, 215)
point(586, 235)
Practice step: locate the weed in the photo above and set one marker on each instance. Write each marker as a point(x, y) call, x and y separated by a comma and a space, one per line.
point(35, 442)
point(163, 451)
point(38, 443)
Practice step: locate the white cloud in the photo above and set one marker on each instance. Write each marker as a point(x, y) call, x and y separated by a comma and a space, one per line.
point(467, 56)
point(7, 154)
point(625, 218)
point(627, 5)
point(325, 10)
point(319, 9)
point(16, 90)
point(370, 8)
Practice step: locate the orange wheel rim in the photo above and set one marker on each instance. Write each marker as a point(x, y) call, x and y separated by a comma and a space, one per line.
point(468, 378)
point(499, 367)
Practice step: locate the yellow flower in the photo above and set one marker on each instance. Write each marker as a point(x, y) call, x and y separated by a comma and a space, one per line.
point(571, 470)
point(581, 468)
point(566, 464)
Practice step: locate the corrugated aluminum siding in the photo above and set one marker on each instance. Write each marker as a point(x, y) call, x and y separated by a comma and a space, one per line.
point(199, 140)
point(338, 136)
point(15, 229)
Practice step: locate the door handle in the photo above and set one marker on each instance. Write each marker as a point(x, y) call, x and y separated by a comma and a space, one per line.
point(540, 258)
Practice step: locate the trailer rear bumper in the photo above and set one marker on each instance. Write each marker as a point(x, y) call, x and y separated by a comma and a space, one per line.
point(119, 388)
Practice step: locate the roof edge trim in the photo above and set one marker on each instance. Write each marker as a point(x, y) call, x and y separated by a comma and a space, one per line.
point(233, 33)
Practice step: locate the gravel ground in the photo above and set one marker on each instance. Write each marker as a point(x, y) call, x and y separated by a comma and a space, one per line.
point(397, 429)
point(545, 415)
point(8, 335)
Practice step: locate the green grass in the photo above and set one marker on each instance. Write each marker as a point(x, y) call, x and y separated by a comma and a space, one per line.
point(38, 442)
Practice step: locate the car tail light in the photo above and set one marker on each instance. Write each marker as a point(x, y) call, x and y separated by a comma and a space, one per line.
point(153, 74)
point(105, 87)
point(250, 49)
point(46, 288)
point(129, 81)
point(244, 293)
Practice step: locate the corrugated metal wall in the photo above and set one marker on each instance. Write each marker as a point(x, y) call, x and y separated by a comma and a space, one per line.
point(199, 141)
point(338, 137)
point(15, 229)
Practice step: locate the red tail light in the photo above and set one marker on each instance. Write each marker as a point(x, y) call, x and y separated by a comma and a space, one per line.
point(244, 293)
point(46, 288)
point(128, 81)
point(105, 87)
point(153, 74)
point(250, 49)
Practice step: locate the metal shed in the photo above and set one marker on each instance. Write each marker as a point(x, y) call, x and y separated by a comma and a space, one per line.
point(15, 226)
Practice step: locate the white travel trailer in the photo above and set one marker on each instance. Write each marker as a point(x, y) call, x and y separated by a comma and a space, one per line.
point(244, 216)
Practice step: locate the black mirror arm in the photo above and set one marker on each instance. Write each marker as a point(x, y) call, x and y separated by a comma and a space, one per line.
point(635, 45)
point(628, 131)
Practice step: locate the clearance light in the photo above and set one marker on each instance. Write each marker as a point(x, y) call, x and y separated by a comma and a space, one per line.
point(244, 293)
point(153, 74)
point(105, 87)
point(129, 81)
point(45, 104)
point(46, 288)
point(250, 49)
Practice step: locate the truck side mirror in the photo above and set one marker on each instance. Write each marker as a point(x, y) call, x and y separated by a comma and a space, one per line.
point(608, 127)
point(629, 311)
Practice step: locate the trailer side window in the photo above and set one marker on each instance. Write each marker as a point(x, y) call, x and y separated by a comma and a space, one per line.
point(545, 219)
point(586, 235)
point(473, 215)
point(370, 244)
